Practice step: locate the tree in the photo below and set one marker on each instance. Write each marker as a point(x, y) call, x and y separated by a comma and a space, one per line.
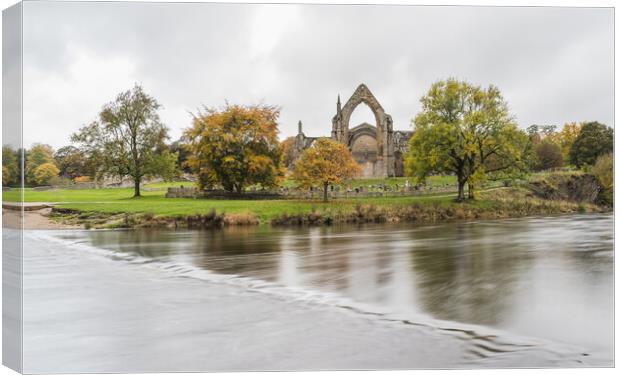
point(10, 166)
point(566, 137)
point(235, 147)
point(180, 148)
point(6, 176)
point(71, 162)
point(38, 154)
point(325, 163)
point(543, 131)
point(467, 131)
point(603, 169)
point(288, 151)
point(128, 139)
point(594, 140)
point(91, 143)
point(548, 155)
point(44, 173)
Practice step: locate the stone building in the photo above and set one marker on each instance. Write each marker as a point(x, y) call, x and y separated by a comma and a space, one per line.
point(377, 148)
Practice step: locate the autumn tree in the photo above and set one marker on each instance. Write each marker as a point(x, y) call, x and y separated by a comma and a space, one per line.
point(325, 163)
point(288, 151)
point(129, 139)
point(235, 147)
point(566, 137)
point(38, 155)
point(467, 131)
point(6, 176)
point(594, 140)
point(44, 173)
point(548, 155)
point(10, 166)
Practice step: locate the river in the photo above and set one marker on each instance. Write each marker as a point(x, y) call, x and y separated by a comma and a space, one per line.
point(530, 292)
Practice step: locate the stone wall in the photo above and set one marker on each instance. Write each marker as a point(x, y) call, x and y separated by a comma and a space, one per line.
point(335, 192)
point(181, 192)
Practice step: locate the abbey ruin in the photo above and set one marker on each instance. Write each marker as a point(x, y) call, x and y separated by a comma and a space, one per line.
point(377, 148)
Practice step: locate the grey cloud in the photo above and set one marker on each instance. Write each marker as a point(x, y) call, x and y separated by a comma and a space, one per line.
point(553, 65)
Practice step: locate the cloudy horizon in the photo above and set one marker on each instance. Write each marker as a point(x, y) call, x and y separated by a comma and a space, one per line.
point(553, 65)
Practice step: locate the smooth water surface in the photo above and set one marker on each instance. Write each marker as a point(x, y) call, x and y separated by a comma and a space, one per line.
point(548, 278)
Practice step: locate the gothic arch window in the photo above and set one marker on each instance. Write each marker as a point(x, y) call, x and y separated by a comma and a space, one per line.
point(362, 114)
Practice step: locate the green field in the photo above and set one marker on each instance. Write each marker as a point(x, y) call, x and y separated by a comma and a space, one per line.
point(120, 200)
point(108, 207)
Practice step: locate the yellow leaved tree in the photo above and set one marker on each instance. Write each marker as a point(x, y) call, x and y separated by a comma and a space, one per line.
point(44, 173)
point(566, 137)
point(325, 163)
point(236, 147)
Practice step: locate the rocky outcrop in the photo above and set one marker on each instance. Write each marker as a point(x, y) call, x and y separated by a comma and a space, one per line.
point(579, 188)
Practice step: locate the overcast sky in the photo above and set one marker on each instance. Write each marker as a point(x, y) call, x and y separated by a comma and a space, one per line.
point(553, 65)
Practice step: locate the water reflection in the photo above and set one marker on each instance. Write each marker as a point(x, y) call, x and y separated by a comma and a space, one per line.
point(545, 277)
point(466, 275)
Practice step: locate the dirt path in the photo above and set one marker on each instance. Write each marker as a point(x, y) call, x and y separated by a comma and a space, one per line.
point(36, 219)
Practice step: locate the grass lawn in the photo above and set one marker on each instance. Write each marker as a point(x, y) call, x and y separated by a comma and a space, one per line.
point(120, 200)
point(265, 210)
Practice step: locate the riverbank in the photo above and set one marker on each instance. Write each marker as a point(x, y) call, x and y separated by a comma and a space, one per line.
point(545, 194)
point(494, 204)
point(34, 219)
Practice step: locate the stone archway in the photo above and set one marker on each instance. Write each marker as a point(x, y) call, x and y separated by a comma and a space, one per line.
point(363, 146)
point(340, 127)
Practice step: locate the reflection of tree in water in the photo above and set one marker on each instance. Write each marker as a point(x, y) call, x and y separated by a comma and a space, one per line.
point(352, 260)
point(248, 251)
point(149, 243)
point(464, 274)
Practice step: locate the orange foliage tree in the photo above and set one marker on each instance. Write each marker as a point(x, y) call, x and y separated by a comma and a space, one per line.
point(235, 147)
point(325, 163)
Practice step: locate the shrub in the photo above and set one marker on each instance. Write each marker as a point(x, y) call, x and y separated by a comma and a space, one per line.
point(243, 218)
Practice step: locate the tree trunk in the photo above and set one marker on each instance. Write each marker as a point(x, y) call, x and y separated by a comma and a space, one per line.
point(461, 195)
point(325, 185)
point(136, 188)
point(470, 190)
